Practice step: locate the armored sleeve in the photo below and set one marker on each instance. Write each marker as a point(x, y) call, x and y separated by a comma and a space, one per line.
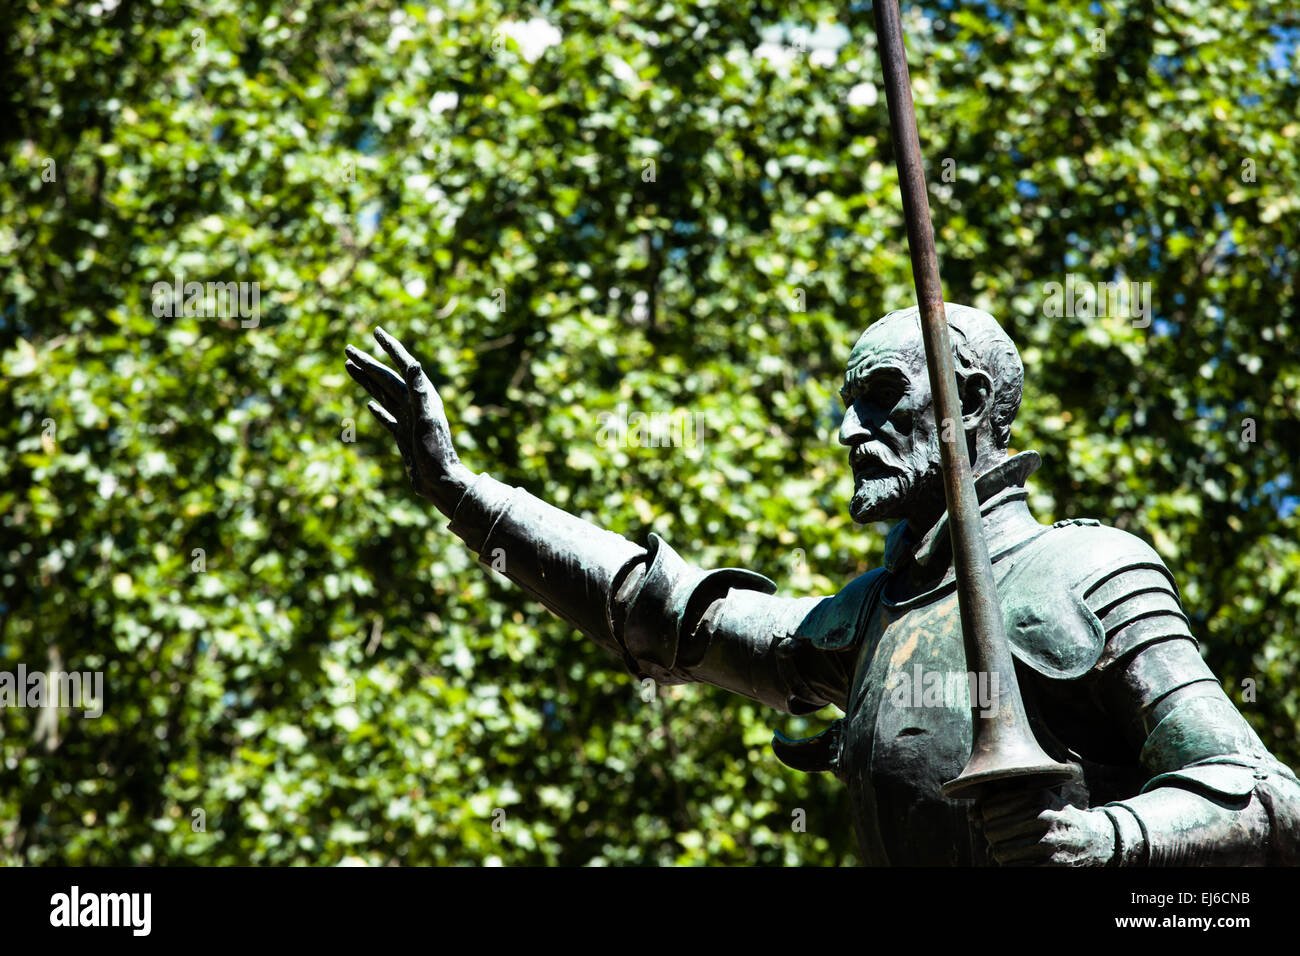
point(568, 564)
point(667, 620)
point(729, 629)
point(1215, 795)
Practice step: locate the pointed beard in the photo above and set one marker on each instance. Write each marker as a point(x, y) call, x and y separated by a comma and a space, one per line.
point(891, 497)
point(876, 499)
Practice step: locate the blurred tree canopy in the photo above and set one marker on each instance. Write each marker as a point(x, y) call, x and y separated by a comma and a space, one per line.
point(563, 208)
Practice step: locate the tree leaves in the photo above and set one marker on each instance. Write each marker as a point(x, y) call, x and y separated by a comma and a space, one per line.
point(565, 212)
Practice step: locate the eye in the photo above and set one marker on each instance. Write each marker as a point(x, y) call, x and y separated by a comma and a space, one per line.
point(881, 391)
point(887, 392)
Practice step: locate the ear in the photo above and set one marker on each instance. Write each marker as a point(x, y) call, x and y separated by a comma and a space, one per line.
point(976, 400)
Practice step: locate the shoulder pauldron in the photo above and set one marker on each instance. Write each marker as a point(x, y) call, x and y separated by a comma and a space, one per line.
point(1081, 595)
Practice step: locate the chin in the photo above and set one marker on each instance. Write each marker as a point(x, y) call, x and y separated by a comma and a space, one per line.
point(895, 496)
point(879, 499)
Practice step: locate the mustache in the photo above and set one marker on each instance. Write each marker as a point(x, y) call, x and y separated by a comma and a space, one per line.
point(875, 460)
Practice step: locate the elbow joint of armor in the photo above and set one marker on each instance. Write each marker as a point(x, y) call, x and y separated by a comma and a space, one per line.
point(663, 608)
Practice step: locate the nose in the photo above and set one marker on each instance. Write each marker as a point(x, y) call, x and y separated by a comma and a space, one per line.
point(851, 430)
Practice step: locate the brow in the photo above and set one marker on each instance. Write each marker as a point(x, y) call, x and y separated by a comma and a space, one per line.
point(860, 382)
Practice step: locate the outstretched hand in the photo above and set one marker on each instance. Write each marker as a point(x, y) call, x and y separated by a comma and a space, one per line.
point(410, 408)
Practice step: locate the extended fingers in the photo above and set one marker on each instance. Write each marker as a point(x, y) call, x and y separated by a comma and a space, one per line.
point(385, 419)
point(394, 429)
point(411, 370)
point(429, 422)
point(377, 379)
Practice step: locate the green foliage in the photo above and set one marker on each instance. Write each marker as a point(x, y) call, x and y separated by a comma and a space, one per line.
point(341, 681)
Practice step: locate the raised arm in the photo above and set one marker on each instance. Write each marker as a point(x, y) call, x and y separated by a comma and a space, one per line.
point(667, 620)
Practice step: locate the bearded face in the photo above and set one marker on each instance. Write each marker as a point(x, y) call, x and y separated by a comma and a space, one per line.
point(889, 429)
point(886, 489)
point(893, 496)
point(889, 425)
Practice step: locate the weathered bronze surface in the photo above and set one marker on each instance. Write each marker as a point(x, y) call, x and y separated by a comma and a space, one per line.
point(1109, 671)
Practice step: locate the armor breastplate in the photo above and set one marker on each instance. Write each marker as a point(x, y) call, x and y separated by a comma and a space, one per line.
point(907, 731)
point(907, 728)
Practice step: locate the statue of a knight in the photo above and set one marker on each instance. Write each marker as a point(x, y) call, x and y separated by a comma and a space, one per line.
point(1109, 670)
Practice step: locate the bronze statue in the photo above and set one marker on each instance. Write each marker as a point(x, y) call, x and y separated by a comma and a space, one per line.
point(1110, 674)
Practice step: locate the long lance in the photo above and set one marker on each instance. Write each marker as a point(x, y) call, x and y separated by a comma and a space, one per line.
point(1004, 746)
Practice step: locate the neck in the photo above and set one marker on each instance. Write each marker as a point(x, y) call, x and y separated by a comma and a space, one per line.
point(931, 503)
point(919, 554)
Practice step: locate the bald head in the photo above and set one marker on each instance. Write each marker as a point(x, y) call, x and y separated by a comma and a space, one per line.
point(978, 344)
